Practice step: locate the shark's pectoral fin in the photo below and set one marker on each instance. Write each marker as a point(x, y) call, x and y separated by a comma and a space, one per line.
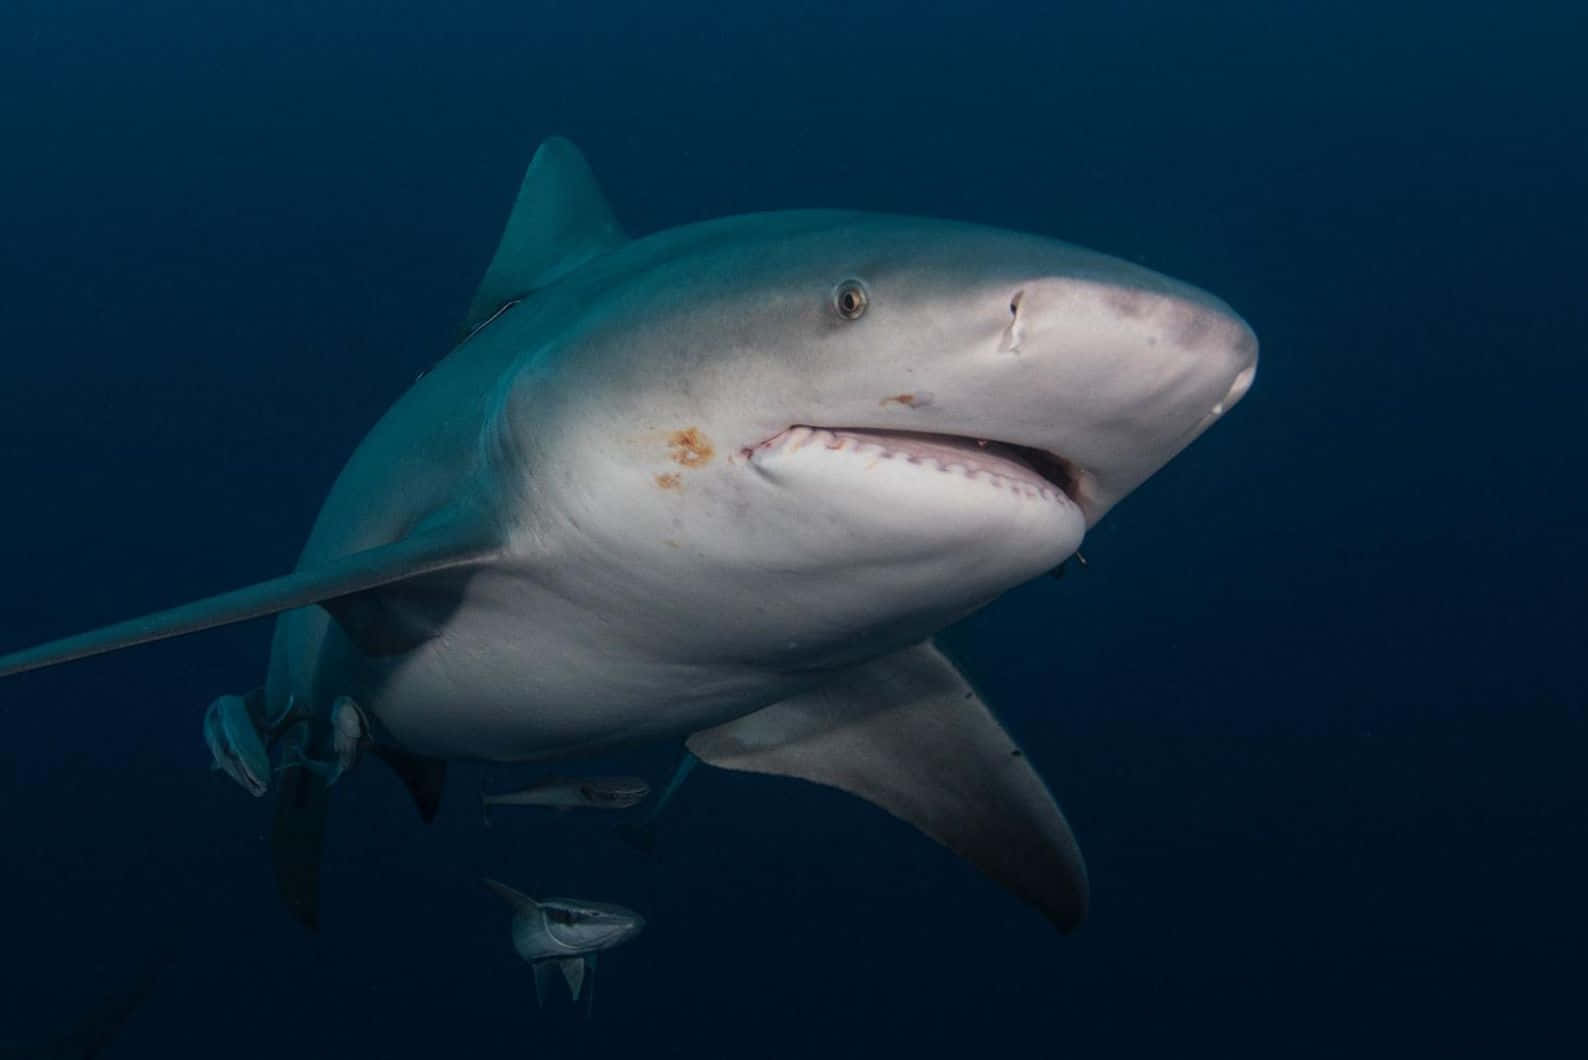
point(559, 221)
point(573, 974)
point(908, 733)
point(444, 546)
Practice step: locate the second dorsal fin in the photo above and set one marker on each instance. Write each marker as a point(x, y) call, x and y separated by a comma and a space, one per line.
point(560, 220)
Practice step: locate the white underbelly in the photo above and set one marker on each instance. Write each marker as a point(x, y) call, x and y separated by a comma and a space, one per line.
point(523, 669)
point(485, 691)
point(514, 710)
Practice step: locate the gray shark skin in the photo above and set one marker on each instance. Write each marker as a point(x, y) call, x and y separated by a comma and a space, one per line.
point(725, 482)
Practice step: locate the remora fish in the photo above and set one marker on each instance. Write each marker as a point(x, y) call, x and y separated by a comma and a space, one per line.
point(567, 793)
point(725, 482)
point(565, 934)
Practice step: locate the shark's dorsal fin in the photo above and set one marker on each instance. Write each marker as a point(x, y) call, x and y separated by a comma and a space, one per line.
point(560, 220)
point(446, 545)
point(908, 733)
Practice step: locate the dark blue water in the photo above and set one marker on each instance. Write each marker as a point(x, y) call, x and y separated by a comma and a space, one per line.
point(1316, 708)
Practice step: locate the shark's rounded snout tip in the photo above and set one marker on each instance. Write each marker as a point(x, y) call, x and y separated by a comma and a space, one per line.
point(1238, 387)
point(1242, 357)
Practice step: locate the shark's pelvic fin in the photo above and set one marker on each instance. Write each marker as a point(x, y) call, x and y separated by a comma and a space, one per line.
point(559, 221)
point(423, 777)
point(908, 733)
point(447, 545)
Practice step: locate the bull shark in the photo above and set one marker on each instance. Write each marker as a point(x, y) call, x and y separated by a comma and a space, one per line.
point(725, 483)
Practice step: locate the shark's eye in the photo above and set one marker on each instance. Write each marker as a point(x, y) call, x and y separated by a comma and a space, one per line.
point(850, 299)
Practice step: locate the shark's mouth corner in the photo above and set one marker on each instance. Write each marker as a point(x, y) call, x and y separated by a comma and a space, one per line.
point(1026, 469)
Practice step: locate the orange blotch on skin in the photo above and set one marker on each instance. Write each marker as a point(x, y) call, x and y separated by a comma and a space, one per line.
point(909, 401)
point(670, 481)
point(690, 447)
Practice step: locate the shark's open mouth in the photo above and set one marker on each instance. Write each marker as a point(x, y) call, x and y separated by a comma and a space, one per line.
point(1027, 470)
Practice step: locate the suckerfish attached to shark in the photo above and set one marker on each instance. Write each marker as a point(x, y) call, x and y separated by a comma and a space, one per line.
point(725, 482)
point(565, 934)
point(575, 793)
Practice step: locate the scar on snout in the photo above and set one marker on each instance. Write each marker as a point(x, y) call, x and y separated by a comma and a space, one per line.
point(909, 401)
point(670, 481)
point(690, 447)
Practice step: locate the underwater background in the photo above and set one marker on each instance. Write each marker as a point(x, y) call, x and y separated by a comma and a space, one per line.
point(1316, 708)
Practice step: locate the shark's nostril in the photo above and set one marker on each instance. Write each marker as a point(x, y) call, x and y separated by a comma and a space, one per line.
point(1012, 334)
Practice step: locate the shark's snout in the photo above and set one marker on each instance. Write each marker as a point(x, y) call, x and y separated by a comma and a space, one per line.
point(1112, 369)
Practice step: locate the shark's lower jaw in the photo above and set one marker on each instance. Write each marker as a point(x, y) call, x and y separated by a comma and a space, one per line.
point(1019, 469)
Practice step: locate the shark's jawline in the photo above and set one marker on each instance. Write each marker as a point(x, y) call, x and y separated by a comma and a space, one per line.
point(1049, 473)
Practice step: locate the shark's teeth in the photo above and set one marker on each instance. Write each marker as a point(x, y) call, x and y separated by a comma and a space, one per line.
point(980, 464)
point(796, 437)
